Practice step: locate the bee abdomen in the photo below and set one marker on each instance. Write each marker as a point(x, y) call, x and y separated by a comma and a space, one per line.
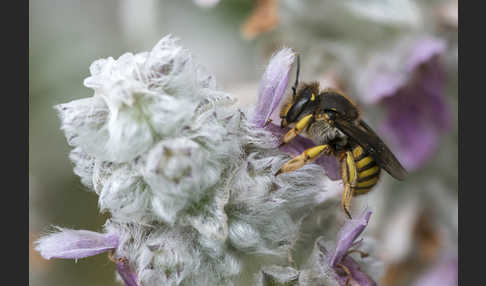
point(367, 169)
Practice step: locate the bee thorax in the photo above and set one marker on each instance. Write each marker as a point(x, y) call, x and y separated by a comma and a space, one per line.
point(320, 132)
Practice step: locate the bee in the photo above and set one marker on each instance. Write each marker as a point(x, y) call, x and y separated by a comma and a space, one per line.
point(333, 122)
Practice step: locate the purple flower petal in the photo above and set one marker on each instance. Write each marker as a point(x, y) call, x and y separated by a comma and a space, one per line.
point(337, 260)
point(417, 112)
point(126, 273)
point(348, 234)
point(272, 86)
point(357, 274)
point(331, 165)
point(444, 274)
point(345, 240)
point(74, 244)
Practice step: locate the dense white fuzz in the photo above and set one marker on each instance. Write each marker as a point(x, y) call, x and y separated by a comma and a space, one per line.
point(188, 180)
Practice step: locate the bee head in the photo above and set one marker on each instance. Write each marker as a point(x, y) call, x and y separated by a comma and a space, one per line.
point(301, 104)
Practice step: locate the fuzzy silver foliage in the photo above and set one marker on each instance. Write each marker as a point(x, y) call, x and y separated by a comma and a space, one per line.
point(187, 179)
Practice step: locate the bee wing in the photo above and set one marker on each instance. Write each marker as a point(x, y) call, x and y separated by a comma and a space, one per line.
point(369, 140)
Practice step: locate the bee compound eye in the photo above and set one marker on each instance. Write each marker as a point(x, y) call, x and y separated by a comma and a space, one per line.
point(296, 109)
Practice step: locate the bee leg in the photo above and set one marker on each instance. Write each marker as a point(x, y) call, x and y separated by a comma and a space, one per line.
point(307, 156)
point(111, 256)
point(362, 253)
point(283, 113)
point(349, 174)
point(346, 200)
point(299, 127)
point(348, 273)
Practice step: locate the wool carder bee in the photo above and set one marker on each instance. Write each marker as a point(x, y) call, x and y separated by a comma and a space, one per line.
point(332, 121)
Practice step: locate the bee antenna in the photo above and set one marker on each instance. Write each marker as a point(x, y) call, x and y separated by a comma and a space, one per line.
point(294, 88)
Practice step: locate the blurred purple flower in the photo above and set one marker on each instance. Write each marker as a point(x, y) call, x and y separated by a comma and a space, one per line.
point(412, 92)
point(444, 273)
point(75, 244)
point(270, 94)
point(345, 240)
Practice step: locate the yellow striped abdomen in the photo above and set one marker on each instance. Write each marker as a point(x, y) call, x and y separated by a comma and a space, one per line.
point(367, 170)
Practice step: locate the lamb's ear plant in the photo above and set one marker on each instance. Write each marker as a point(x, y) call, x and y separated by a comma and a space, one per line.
point(188, 180)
